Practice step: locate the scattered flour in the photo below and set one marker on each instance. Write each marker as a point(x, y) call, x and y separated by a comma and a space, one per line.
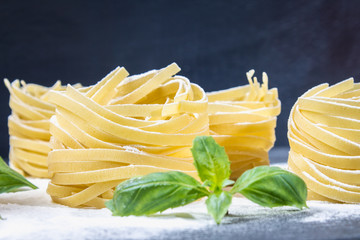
point(32, 215)
point(324, 211)
point(131, 149)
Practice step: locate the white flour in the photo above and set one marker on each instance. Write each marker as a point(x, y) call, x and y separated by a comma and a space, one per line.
point(37, 216)
point(31, 214)
point(323, 211)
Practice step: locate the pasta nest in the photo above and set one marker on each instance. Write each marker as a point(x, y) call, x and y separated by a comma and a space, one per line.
point(324, 137)
point(120, 128)
point(126, 126)
point(243, 120)
point(29, 127)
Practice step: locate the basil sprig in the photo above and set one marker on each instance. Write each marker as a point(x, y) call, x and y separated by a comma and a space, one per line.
point(156, 192)
point(272, 187)
point(211, 162)
point(11, 180)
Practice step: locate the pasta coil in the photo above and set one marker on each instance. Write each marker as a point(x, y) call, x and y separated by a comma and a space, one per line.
point(29, 124)
point(120, 128)
point(243, 120)
point(323, 132)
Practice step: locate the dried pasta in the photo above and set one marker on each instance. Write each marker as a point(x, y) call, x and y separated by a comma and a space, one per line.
point(243, 120)
point(324, 137)
point(29, 127)
point(120, 128)
point(125, 126)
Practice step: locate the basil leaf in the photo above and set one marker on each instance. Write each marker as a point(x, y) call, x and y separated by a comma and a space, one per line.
point(218, 204)
point(11, 180)
point(227, 182)
point(272, 187)
point(154, 193)
point(211, 162)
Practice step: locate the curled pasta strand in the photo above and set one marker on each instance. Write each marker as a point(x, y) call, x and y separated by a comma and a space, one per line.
point(323, 132)
point(29, 125)
point(146, 125)
point(243, 120)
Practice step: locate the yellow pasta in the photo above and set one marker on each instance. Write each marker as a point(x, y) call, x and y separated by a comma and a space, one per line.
point(120, 128)
point(243, 120)
point(324, 137)
point(125, 126)
point(29, 127)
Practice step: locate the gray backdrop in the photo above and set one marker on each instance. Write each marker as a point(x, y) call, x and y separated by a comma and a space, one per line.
point(298, 43)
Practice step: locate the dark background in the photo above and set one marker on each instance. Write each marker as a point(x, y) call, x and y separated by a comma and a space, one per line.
point(298, 43)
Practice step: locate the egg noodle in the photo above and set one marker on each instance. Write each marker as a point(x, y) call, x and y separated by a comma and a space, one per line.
point(243, 120)
point(126, 126)
point(324, 137)
point(120, 128)
point(29, 127)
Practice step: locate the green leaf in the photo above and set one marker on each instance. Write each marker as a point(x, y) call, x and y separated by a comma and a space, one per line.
point(218, 205)
point(211, 162)
point(11, 180)
point(227, 183)
point(272, 187)
point(154, 193)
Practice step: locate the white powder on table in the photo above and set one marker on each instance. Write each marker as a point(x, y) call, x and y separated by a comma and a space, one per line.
point(324, 211)
point(32, 214)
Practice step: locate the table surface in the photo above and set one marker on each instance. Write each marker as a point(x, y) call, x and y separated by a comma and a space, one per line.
point(32, 215)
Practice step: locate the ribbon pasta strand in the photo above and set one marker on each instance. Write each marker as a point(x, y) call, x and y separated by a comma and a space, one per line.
point(323, 132)
point(243, 120)
point(88, 140)
point(29, 125)
point(120, 128)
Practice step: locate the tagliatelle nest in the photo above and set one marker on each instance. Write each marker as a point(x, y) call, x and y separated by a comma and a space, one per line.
point(126, 126)
point(324, 137)
point(121, 128)
point(29, 127)
point(243, 120)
